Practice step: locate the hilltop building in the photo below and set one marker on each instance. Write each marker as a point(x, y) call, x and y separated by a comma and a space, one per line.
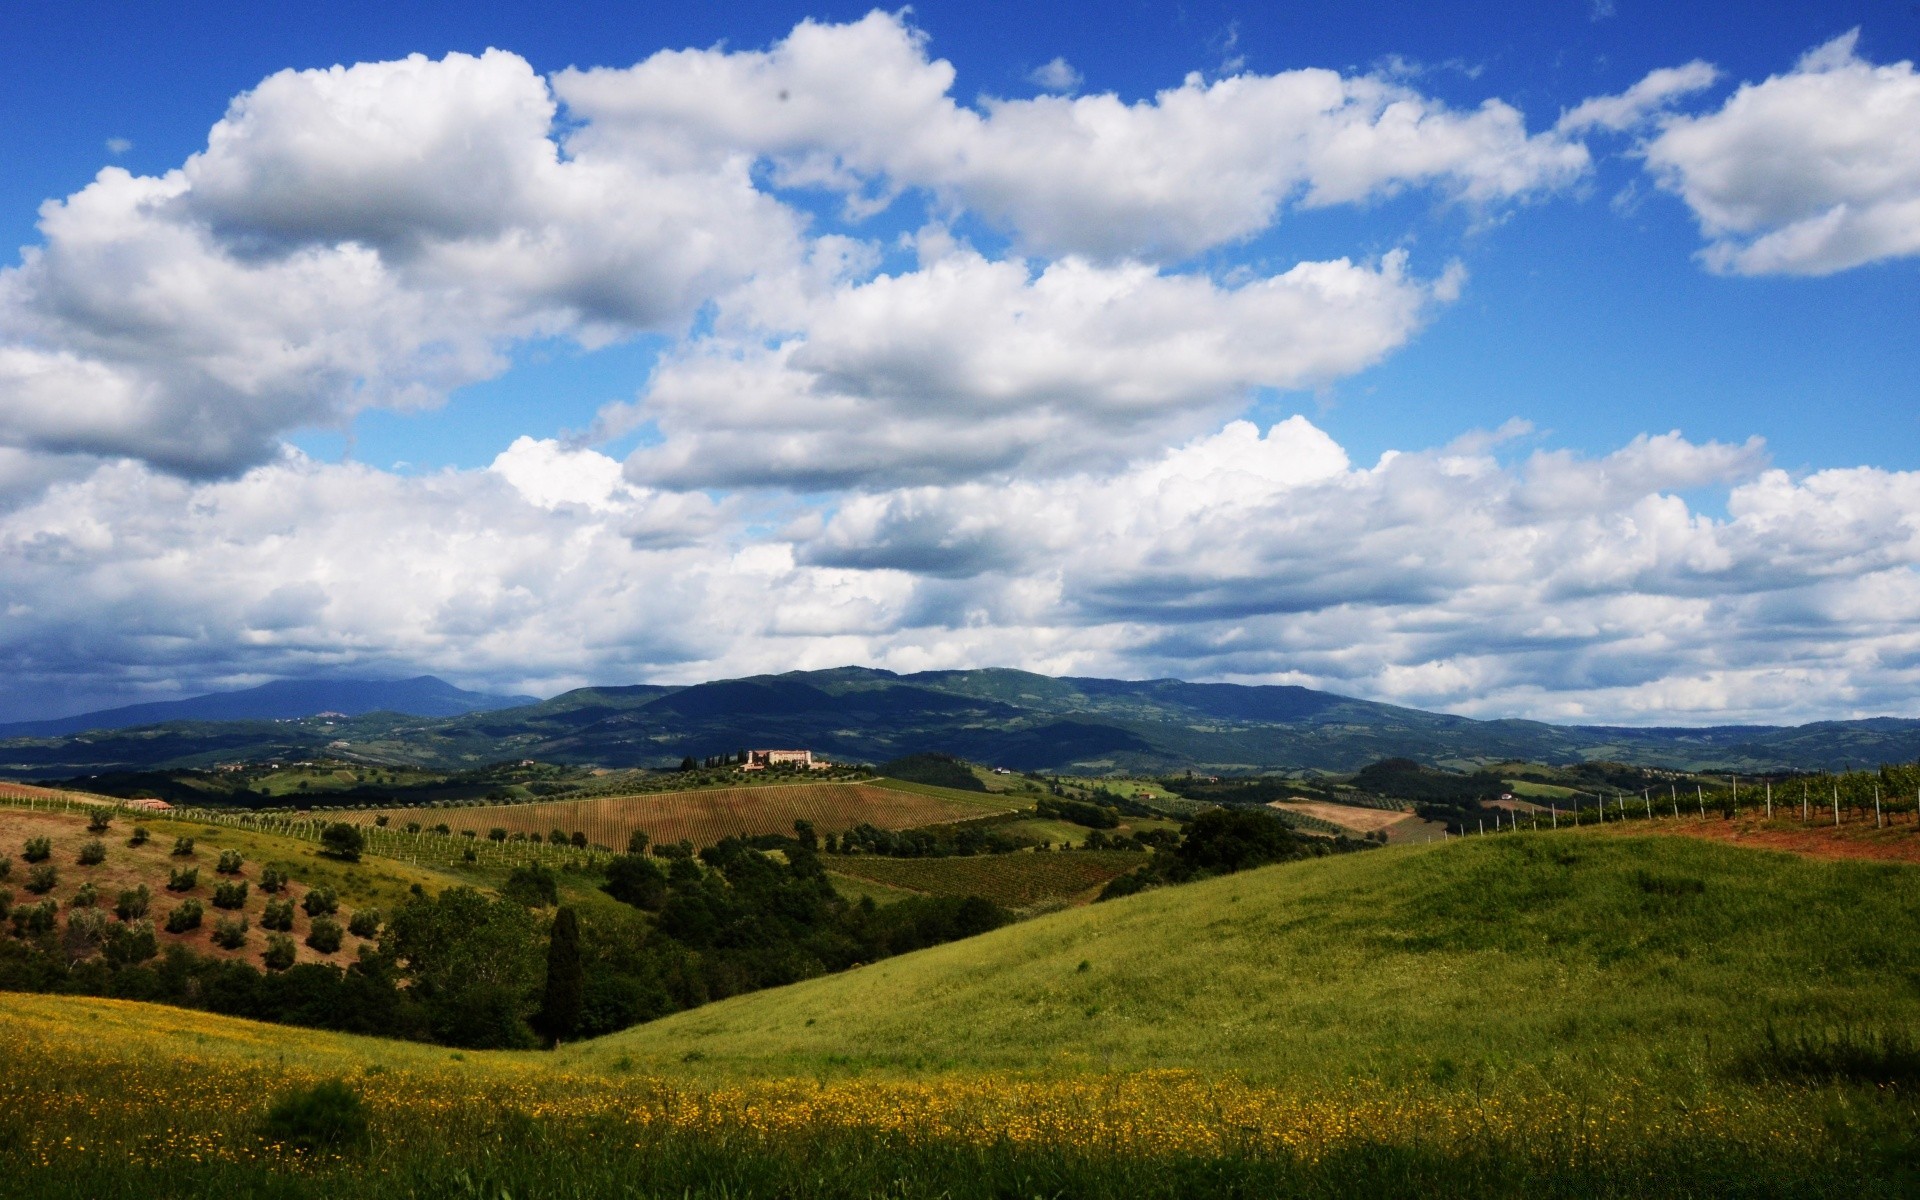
point(760, 760)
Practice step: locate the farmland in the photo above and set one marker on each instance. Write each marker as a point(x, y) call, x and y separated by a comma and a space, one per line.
point(1013, 880)
point(705, 817)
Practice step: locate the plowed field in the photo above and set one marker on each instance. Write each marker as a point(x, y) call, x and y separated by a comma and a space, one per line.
point(706, 817)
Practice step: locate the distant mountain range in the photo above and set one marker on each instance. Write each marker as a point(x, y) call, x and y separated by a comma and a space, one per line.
point(423, 696)
point(1001, 717)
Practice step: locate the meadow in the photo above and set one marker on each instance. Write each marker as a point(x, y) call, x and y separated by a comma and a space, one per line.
point(1015, 881)
point(1586, 1013)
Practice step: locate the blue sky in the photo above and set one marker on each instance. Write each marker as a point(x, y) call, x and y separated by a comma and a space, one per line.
point(1586, 289)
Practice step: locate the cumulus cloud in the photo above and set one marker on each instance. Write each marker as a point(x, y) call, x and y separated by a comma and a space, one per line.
point(1659, 90)
point(862, 107)
point(1549, 585)
point(355, 237)
point(1056, 75)
point(970, 366)
point(1806, 173)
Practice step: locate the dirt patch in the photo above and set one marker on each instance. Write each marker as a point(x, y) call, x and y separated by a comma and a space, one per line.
point(1894, 843)
point(1347, 816)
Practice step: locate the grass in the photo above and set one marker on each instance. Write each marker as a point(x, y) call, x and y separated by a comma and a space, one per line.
point(1581, 1014)
point(1011, 880)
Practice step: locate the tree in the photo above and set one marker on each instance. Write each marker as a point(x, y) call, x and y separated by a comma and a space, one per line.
point(566, 977)
point(687, 764)
point(634, 880)
point(637, 842)
point(343, 841)
point(474, 963)
point(1232, 839)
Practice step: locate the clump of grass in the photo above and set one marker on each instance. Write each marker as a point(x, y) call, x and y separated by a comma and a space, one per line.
point(1673, 886)
point(1876, 1057)
point(329, 1116)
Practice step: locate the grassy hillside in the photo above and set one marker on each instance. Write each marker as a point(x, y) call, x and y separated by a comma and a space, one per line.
point(1581, 1014)
point(1015, 881)
point(1567, 958)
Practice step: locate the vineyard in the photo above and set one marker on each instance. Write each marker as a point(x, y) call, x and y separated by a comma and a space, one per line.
point(1012, 880)
point(702, 817)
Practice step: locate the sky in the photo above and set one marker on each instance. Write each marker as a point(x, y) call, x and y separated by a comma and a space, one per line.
point(1551, 361)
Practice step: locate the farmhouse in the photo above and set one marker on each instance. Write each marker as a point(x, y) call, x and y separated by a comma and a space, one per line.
point(150, 805)
point(760, 760)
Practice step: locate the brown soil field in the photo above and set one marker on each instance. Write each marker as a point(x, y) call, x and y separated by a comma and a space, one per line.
point(129, 866)
point(1013, 880)
point(1347, 816)
point(705, 817)
point(1857, 839)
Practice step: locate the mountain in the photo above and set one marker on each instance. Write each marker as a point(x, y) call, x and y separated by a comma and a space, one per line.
point(1005, 718)
point(285, 699)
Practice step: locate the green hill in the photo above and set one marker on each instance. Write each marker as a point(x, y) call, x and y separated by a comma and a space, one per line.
point(1572, 1015)
point(1574, 959)
point(1000, 718)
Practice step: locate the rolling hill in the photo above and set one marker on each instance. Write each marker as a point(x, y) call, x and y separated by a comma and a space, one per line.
point(1004, 718)
point(281, 700)
point(1563, 1014)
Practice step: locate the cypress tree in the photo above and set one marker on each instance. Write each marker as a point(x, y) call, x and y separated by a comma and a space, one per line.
point(560, 1007)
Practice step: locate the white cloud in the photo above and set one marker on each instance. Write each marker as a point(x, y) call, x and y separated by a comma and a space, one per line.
point(118, 145)
point(969, 367)
point(1056, 75)
point(1806, 173)
point(1652, 95)
point(861, 107)
point(1440, 578)
point(350, 238)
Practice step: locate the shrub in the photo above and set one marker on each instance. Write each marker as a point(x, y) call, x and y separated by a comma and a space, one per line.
point(93, 852)
point(87, 931)
point(230, 895)
point(343, 841)
point(6, 867)
point(469, 855)
point(443, 831)
point(324, 935)
point(99, 821)
point(557, 837)
point(132, 904)
point(140, 836)
point(86, 897)
point(327, 1116)
point(579, 840)
point(272, 880)
point(533, 886)
point(637, 842)
point(496, 834)
point(230, 862)
point(130, 945)
point(183, 880)
point(320, 902)
point(279, 954)
point(278, 915)
point(41, 879)
point(38, 850)
point(413, 827)
point(183, 847)
point(365, 923)
point(185, 917)
point(31, 920)
point(230, 932)
point(6, 903)
point(380, 821)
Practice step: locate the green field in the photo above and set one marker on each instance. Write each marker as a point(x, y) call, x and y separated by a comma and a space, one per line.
point(1012, 880)
point(1571, 1014)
